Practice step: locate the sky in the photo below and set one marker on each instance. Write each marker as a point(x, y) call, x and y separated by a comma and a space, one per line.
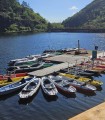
point(57, 10)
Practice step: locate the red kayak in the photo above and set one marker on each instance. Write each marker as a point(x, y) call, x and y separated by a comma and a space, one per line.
point(5, 76)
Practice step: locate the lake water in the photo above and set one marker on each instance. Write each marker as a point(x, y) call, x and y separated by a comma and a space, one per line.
point(40, 107)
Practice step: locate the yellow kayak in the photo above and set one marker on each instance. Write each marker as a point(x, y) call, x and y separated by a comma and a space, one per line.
point(95, 83)
point(6, 82)
point(83, 79)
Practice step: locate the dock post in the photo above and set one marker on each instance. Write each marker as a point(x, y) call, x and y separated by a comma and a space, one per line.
point(78, 46)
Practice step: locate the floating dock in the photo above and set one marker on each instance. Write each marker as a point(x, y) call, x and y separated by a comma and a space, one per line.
point(67, 61)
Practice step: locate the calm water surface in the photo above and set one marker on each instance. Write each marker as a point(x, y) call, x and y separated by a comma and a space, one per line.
point(40, 107)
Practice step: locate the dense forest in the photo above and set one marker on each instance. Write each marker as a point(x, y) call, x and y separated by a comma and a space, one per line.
point(91, 17)
point(16, 17)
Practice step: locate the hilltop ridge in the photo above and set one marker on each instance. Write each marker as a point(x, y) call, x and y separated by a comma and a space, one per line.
point(90, 17)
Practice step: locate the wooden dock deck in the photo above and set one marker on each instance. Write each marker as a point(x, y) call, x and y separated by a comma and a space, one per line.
point(49, 70)
point(68, 61)
point(95, 113)
point(68, 58)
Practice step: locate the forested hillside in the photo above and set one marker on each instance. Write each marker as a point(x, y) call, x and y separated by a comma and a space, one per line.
point(91, 17)
point(16, 17)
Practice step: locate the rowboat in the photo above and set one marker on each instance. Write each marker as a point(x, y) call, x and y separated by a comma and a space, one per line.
point(14, 86)
point(98, 69)
point(83, 79)
point(62, 85)
point(22, 61)
point(100, 66)
point(45, 55)
point(48, 87)
point(5, 76)
point(9, 80)
point(79, 72)
point(80, 86)
point(47, 65)
point(30, 89)
point(92, 71)
point(93, 67)
point(25, 68)
point(28, 63)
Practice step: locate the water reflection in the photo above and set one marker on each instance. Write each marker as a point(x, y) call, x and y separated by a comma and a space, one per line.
point(5, 97)
point(49, 98)
point(67, 95)
point(87, 93)
point(99, 88)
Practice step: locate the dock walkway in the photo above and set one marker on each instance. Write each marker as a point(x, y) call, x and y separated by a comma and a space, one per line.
point(68, 61)
point(95, 113)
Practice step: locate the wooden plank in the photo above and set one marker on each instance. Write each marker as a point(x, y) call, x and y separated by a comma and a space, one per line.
point(95, 113)
point(50, 70)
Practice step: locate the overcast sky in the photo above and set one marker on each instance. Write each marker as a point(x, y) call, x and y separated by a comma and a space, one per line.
point(57, 10)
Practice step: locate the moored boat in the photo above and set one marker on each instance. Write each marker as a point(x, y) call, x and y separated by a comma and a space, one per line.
point(48, 87)
point(80, 86)
point(14, 86)
point(30, 89)
point(80, 72)
point(25, 69)
point(62, 85)
point(25, 60)
point(5, 76)
point(83, 79)
point(10, 80)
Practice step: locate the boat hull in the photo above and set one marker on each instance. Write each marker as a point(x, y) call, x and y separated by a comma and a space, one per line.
point(13, 87)
point(65, 91)
point(5, 77)
point(31, 92)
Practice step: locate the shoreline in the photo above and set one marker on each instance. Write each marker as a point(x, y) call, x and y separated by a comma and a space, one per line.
point(57, 31)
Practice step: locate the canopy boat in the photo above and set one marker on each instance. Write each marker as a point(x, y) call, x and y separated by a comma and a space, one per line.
point(48, 87)
point(62, 85)
point(30, 89)
point(9, 80)
point(80, 86)
point(14, 86)
point(83, 79)
point(5, 76)
point(25, 69)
